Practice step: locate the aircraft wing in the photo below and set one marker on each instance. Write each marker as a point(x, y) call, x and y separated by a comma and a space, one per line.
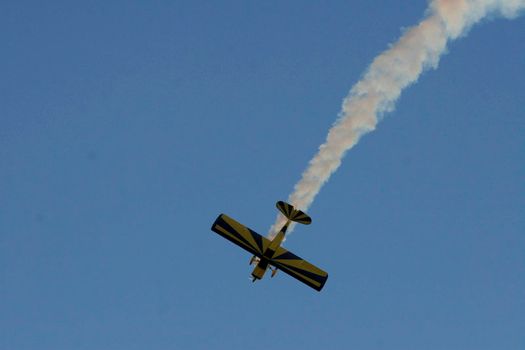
point(298, 268)
point(240, 235)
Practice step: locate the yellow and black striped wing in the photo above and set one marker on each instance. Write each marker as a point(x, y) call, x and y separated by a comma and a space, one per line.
point(240, 235)
point(298, 268)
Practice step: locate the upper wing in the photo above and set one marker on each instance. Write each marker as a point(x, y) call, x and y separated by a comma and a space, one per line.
point(240, 235)
point(299, 268)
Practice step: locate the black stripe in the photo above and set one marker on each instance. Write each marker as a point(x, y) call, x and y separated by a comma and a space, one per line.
point(292, 273)
point(258, 239)
point(287, 256)
point(269, 253)
point(224, 225)
point(306, 273)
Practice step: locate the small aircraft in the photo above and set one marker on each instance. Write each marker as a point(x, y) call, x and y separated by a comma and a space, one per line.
point(269, 253)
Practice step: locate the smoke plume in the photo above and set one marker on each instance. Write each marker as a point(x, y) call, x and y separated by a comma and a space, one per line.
point(418, 49)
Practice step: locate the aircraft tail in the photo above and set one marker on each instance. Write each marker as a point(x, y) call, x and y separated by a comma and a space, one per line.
point(293, 214)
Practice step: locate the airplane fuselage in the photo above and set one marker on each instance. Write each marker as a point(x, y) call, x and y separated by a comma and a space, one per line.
point(262, 264)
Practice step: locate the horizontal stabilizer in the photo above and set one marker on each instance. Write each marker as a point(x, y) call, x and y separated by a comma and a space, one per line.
point(293, 214)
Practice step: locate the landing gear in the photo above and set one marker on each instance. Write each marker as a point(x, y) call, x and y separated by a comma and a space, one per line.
point(254, 259)
point(274, 271)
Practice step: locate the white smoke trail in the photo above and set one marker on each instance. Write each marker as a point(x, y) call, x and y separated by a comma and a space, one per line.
point(418, 49)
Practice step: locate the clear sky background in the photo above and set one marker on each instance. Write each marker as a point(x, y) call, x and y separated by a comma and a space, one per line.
point(128, 126)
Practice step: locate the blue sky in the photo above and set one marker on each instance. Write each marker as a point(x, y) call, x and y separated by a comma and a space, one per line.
point(127, 127)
